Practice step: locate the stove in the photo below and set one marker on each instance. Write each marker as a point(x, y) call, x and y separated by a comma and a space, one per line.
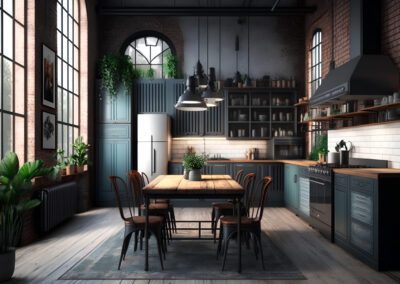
point(322, 197)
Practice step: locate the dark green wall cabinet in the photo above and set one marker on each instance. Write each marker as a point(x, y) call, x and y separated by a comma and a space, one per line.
point(366, 219)
point(161, 95)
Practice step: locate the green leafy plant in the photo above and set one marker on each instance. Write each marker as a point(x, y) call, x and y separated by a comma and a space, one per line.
point(320, 147)
point(194, 162)
point(171, 65)
point(150, 73)
point(117, 70)
point(15, 186)
point(61, 160)
point(80, 156)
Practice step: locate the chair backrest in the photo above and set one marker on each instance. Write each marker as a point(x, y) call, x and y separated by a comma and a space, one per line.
point(145, 179)
point(239, 176)
point(248, 184)
point(136, 185)
point(123, 197)
point(257, 197)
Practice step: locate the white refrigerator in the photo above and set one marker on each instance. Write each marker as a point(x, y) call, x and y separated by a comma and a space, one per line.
point(153, 149)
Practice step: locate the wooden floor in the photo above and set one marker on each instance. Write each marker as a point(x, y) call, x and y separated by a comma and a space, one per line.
point(320, 261)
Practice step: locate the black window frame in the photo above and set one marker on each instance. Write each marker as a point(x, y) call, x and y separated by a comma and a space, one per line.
point(316, 61)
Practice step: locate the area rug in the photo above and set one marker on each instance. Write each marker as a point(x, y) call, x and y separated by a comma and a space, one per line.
point(186, 260)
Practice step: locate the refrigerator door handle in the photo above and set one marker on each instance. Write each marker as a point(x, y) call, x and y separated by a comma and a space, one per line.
point(151, 154)
point(154, 160)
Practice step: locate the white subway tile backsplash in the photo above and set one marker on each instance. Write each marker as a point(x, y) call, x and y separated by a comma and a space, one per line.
point(371, 142)
point(233, 149)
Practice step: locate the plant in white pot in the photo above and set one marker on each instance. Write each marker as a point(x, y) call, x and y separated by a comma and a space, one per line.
point(194, 163)
point(15, 186)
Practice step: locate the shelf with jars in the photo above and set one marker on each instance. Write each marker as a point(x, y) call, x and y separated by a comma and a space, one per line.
point(260, 113)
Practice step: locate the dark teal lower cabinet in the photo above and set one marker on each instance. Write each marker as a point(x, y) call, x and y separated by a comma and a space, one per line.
point(275, 192)
point(218, 169)
point(175, 169)
point(366, 219)
point(291, 187)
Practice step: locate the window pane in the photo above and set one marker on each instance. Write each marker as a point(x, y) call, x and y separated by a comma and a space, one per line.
point(65, 107)
point(8, 35)
point(19, 44)
point(157, 71)
point(65, 49)
point(70, 28)
point(1, 31)
point(8, 6)
point(7, 133)
point(58, 16)
point(7, 85)
point(70, 79)
point(59, 44)
point(70, 139)
point(76, 58)
point(76, 111)
point(20, 11)
point(65, 75)
point(65, 140)
point(71, 108)
point(59, 104)
point(76, 82)
point(76, 10)
point(19, 87)
point(76, 34)
point(70, 52)
point(59, 137)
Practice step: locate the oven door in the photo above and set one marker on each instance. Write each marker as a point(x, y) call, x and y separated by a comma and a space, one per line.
point(321, 200)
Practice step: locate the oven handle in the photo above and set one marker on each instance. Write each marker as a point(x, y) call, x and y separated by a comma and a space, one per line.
point(320, 183)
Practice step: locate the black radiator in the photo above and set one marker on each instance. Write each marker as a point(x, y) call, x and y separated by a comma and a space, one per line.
point(58, 203)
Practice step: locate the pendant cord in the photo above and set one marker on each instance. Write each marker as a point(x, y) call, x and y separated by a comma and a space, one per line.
point(248, 46)
point(219, 43)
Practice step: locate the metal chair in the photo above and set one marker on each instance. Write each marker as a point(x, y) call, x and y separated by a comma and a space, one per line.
point(227, 208)
point(157, 209)
point(250, 224)
point(135, 224)
point(145, 180)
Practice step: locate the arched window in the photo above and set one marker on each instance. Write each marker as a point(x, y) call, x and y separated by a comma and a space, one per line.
point(13, 74)
point(316, 61)
point(68, 83)
point(148, 54)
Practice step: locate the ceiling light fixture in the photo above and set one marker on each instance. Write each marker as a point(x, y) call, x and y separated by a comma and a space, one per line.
point(191, 100)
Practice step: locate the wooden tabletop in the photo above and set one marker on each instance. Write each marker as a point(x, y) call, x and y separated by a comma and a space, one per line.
point(209, 185)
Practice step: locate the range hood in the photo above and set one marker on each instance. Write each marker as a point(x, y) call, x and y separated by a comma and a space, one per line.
point(369, 74)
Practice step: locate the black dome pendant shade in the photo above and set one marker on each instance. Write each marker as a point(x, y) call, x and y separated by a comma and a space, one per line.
point(191, 100)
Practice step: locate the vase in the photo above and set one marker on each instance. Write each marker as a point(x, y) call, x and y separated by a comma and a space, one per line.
point(344, 157)
point(80, 169)
point(186, 174)
point(7, 265)
point(322, 158)
point(195, 175)
point(70, 170)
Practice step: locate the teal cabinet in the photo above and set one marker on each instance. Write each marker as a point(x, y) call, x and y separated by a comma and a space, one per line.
point(366, 219)
point(275, 191)
point(291, 187)
point(175, 169)
point(246, 167)
point(304, 192)
point(218, 169)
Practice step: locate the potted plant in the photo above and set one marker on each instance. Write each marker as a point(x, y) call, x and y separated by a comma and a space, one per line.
point(322, 148)
point(117, 71)
point(71, 166)
point(62, 163)
point(194, 163)
point(80, 156)
point(15, 186)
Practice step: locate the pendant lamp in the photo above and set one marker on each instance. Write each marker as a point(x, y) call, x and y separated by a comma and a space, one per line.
point(191, 100)
point(201, 77)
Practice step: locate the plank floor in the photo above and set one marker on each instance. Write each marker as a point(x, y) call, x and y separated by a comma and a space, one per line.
point(319, 260)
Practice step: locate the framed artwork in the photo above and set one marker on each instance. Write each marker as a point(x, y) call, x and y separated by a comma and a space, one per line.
point(48, 131)
point(48, 77)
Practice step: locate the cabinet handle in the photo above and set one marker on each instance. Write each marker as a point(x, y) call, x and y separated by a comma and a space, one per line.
point(295, 178)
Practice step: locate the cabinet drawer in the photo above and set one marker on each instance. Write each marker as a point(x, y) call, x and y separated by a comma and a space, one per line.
point(362, 207)
point(341, 180)
point(362, 237)
point(362, 184)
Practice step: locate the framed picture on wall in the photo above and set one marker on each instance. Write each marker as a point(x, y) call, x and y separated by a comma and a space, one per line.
point(48, 77)
point(48, 131)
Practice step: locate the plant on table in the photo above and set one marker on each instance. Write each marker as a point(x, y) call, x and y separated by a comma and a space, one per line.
point(194, 163)
point(15, 189)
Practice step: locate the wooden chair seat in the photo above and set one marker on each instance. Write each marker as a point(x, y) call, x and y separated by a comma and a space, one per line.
point(162, 201)
point(225, 205)
point(141, 220)
point(232, 220)
point(155, 206)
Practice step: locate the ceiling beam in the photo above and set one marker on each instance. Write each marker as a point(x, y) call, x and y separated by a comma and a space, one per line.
point(206, 11)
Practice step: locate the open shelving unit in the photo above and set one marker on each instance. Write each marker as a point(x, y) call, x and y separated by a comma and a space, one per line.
point(260, 113)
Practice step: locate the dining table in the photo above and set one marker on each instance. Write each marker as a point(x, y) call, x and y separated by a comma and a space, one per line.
point(209, 187)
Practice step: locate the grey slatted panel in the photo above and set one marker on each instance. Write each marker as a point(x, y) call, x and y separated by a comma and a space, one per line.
point(214, 121)
point(151, 96)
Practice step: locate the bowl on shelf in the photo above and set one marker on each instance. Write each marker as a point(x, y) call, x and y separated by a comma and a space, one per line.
point(262, 117)
point(242, 117)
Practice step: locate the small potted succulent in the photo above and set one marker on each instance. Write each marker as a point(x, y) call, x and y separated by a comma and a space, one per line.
point(62, 162)
point(194, 163)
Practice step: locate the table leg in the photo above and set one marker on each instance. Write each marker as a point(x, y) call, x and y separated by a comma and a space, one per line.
point(146, 235)
point(239, 235)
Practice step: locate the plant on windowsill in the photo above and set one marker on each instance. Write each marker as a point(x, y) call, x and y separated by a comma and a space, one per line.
point(80, 156)
point(62, 162)
point(150, 73)
point(117, 71)
point(194, 163)
point(15, 189)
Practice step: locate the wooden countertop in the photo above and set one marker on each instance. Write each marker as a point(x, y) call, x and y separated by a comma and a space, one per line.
point(304, 163)
point(374, 173)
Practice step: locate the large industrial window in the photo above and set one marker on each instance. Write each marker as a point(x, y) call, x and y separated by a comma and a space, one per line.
point(148, 55)
point(12, 83)
point(67, 74)
point(316, 61)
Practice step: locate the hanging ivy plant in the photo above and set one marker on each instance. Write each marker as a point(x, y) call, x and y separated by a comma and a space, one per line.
point(171, 65)
point(117, 70)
